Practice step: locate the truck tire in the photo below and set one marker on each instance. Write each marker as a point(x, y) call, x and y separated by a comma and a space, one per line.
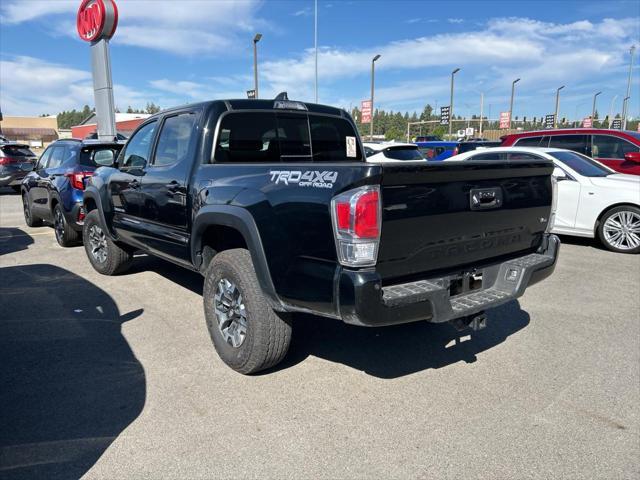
point(247, 333)
point(65, 235)
point(29, 219)
point(105, 256)
point(619, 229)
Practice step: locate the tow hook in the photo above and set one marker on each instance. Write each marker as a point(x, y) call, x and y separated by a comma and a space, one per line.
point(475, 322)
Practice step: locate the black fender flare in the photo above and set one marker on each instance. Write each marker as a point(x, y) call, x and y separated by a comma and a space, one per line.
point(240, 219)
point(92, 193)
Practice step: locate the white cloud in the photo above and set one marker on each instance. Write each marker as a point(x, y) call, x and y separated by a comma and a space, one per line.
point(187, 27)
point(305, 12)
point(455, 20)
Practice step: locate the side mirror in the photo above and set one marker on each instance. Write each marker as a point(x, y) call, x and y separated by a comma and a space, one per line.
point(632, 157)
point(104, 158)
point(559, 174)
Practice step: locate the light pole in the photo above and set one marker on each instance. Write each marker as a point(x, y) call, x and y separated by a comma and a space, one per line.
point(481, 107)
point(373, 72)
point(451, 102)
point(513, 89)
point(624, 105)
point(613, 101)
point(593, 109)
point(256, 39)
point(316, 45)
point(555, 116)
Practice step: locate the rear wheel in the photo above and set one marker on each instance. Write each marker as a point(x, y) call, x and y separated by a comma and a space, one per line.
point(105, 256)
point(29, 218)
point(619, 229)
point(246, 332)
point(65, 235)
point(16, 188)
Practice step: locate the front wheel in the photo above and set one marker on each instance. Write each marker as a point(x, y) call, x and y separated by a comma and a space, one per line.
point(105, 256)
point(29, 218)
point(247, 333)
point(619, 229)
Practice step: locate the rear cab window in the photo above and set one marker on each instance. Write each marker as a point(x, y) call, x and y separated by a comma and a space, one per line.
point(271, 137)
point(96, 156)
point(403, 153)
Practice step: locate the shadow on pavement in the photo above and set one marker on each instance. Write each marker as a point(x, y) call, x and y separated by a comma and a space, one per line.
point(391, 352)
point(69, 383)
point(8, 191)
point(14, 240)
point(185, 278)
point(582, 241)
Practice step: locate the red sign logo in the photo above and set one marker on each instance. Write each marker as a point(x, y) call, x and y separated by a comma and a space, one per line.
point(97, 19)
point(505, 119)
point(365, 108)
point(587, 122)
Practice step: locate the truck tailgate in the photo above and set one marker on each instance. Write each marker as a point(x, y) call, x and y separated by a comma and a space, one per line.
point(457, 215)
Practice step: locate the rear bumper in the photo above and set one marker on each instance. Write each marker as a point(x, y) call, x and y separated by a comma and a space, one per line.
point(11, 176)
point(363, 301)
point(72, 216)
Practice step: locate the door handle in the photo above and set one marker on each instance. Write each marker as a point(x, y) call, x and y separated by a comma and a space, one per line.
point(173, 187)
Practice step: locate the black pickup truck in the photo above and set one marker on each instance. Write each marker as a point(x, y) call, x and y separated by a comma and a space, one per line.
point(274, 203)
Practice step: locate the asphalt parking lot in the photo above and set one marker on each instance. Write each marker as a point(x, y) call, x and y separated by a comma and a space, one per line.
point(115, 377)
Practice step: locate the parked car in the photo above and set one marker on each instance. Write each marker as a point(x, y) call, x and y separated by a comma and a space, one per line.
point(52, 192)
point(391, 152)
point(16, 160)
point(427, 138)
point(438, 150)
point(274, 203)
point(593, 200)
point(468, 145)
point(619, 150)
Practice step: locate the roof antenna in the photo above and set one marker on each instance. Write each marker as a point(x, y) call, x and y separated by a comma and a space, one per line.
point(282, 96)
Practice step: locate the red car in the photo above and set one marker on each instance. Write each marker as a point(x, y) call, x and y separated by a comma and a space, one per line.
point(619, 150)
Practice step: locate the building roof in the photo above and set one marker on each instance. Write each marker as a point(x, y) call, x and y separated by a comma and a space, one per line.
point(120, 117)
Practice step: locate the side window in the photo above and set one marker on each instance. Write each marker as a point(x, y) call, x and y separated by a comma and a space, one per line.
point(608, 146)
point(44, 158)
point(529, 142)
point(175, 139)
point(136, 153)
point(57, 155)
point(71, 154)
point(522, 156)
point(576, 143)
point(488, 156)
point(247, 137)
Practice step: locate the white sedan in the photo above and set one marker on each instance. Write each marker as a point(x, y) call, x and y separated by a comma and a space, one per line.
point(391, 152)
point(593, 200)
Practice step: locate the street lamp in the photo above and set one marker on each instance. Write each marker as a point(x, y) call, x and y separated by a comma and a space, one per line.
point(593, 110)
point(555, 117)
point(256, 39)
point(624, 110)
point(613, 101)
point(451, 102)
point(624, 105)
point(513, 88)
point(373, 63)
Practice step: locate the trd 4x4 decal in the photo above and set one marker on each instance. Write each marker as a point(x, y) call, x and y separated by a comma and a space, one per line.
point(308, 178)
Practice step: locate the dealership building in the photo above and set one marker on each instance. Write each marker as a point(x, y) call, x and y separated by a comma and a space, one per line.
point(37, 132)
point(126, 123)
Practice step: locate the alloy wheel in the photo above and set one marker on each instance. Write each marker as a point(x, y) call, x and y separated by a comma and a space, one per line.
point(230, 313)
point(58, 224)
point(622, 230)
point(27, 210)
point(98, 243)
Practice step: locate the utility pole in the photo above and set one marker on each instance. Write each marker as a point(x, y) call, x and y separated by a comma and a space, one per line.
point(316, 45)
point(593, 110)
point(513, 88)
point(373, 72)
point(256, 39)
point(481, 106)
point(451, 102)
point(624, 104)
point(613, 101)
point(555, 116)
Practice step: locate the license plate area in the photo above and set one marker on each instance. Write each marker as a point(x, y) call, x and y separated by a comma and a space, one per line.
point(465, 283)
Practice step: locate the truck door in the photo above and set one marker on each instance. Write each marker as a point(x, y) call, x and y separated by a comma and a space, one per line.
point(164, 205)
point(124, 186)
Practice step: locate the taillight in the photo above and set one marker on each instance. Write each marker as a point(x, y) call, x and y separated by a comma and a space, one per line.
point(77, 179)
point(356, 218)
point(9, 160)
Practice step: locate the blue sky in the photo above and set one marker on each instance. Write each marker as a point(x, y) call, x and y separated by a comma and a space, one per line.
point(175, 52)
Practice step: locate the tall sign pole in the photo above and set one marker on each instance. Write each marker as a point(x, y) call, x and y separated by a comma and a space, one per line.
point(96, 22)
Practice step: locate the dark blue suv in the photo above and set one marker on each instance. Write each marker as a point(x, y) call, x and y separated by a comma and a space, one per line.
point(52, 192)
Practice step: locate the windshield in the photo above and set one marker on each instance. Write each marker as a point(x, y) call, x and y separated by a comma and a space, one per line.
point(89, 155)
point(582, 164)
point(403, 153)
